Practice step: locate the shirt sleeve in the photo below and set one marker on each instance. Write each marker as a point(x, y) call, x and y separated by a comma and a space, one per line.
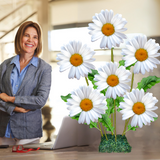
point(39, 100)
point(6, 106)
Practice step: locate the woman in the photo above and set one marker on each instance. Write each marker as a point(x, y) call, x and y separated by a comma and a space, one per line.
point(25, 82)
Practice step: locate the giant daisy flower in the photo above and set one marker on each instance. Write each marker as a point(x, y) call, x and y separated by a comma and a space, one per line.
point(142, 52)
point(77, 58)
point(112, 78)
point(89, 103)
point(140, 106)
point(108, 28)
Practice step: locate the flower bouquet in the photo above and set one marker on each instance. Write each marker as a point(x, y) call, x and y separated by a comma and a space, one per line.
point(97, 105)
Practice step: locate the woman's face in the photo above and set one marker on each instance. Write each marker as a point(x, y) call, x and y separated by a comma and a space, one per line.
point(30, 40)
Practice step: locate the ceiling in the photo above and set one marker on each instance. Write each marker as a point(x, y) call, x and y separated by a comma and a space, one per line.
point(3, 3)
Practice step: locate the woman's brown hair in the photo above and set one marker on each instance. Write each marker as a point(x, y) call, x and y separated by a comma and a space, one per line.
point(20, 34)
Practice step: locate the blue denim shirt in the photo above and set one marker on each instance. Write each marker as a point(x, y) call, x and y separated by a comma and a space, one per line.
point(16, 80)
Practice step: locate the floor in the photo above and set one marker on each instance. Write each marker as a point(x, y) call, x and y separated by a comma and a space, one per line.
point(138, 152)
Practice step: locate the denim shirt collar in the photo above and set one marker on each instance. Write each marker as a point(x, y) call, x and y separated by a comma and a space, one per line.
point(33, 61)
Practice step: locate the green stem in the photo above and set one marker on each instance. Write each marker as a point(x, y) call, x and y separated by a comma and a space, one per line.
point(112, 56)
point(100, 129)
point(104, 132)
point(87, 81)
point(127, 120)
point(112, 59)
point(124, 128)
point(115, 121)
point(132, 81)
point(126, 123)
point(125, 132)
point(112, 120)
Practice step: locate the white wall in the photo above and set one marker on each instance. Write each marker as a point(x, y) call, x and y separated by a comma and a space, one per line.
point(143, 16)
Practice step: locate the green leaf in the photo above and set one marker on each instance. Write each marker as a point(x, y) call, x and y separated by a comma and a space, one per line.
point(155, 118)
point(106, 122)
point(91, 77)
point(94, 86)
point(132, 128)
point(122, 63)
point(93, 125)
point(148, 82)
point(129, 67)
point(110, 105)
point(118, 100)
point(76, 116)
point(64, 98)
point(104, 91)
point(94, 72)
point(119, 109)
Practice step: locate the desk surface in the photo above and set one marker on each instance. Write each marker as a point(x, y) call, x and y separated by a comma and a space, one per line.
point(138, 152)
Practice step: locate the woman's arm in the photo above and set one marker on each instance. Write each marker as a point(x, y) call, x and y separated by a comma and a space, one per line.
point(37, 101)
point(6, 102)
point(10, 108)
point(21, 110)
point(7, 107)
point(7, 98)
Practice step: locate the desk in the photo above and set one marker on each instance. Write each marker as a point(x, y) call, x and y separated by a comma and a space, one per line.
point(139, 152)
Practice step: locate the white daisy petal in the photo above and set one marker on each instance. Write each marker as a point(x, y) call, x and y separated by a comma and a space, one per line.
point(137, 67)
point(146, 117)
point(75, 111)
point(77, 58)
point(91, 117)
point(142, 108)
point(143, 51)
point(87, 118)
point(106, 77)
point(72, 72)
point(96, 36)
point(82, 118)
point(104, 41)
point(134, 121)
point(128, 114)
point(152, 114)
point(108, 28)
point(140, 124)
point(93, 26)
point(98, 23)
point(89, 102)
point(143, 119)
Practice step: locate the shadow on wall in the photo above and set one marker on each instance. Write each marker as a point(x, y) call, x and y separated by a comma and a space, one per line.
point(48, 128)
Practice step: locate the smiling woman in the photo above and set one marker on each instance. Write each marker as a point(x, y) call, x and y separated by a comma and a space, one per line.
point(27, 35)
point(29, 40)
point(25, 82)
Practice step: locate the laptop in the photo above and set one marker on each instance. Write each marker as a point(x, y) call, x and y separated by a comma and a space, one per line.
point(71, 133)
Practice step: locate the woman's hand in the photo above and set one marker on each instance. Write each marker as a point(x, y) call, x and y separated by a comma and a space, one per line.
point(21, 110)
point(7, 98)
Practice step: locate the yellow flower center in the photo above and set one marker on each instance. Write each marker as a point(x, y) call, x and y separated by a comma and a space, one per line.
point(138, 108)
point(141, 54)
point(112, 80)
point(86, 104)
point(108, 29)
point(76, 59)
